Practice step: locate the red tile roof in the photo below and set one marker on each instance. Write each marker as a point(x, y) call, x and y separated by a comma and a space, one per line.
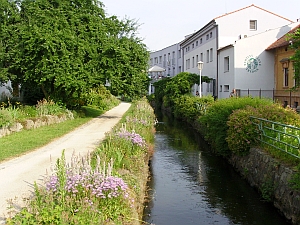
point(283, 41)
point(255, 7)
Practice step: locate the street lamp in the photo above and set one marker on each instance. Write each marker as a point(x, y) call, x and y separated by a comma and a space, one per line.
point(200, 67)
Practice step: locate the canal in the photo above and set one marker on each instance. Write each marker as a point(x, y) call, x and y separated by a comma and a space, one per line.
point(190, 185)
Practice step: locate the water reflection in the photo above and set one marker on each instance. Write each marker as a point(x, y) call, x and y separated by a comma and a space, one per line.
point(190, 185)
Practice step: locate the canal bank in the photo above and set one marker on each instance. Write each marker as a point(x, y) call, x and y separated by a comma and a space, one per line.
point(269, 176)
point(191, 185)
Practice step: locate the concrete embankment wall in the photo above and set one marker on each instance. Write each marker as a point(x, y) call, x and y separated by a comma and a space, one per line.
point(271, 178)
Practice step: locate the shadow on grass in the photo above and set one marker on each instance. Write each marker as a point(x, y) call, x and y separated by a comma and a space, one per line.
point(91, 112)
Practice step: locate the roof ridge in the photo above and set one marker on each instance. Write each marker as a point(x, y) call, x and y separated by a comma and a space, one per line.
point(252, 5)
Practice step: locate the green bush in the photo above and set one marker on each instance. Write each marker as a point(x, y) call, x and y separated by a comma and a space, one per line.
point(190, 107)
point(5, 118)
point(100, 98)
point(241, 132)
point(217, 115)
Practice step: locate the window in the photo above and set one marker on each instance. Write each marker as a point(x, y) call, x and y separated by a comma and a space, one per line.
point(200, 40)
point(197, 58)
point(211, 55)
point(285, 77)
point(196, 43)
point(188, 64)
point(156, 60)
point(210, 34)
point(226, 88)
point(173, 58)
point(207, 56)
point(201, 57)
point(193, 45)
point(253, 25)
point(207, 37)
point(226, 64)
point(193, 62)
point(221, 88)
point(160, 59)
point(179, 54)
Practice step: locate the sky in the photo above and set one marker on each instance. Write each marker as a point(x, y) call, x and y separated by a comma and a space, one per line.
point(167, 22)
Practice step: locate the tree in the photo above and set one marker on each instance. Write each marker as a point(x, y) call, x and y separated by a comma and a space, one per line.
point(67, 47)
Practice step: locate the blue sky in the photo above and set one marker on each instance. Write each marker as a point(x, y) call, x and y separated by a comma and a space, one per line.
point(166, 22)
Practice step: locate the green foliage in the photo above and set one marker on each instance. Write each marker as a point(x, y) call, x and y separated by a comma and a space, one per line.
point(190, 107)
point(160, 90)
point(67, 54)
point(100, 97)
point(217, 115)
point(295, 38)
point(5, 118)
point(295, 180)
point(267, 190)
point(49, 107)
point(241, 133)
point(168, 90)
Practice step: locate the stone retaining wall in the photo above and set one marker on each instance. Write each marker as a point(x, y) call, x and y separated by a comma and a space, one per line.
point(271, 178)
point(34, 123)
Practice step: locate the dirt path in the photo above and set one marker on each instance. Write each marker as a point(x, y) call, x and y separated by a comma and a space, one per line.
point(18, 175)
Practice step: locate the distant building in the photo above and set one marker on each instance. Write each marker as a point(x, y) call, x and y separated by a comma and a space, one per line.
point(167, 58)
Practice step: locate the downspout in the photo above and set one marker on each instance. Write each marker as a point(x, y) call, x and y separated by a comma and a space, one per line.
point(217, 80)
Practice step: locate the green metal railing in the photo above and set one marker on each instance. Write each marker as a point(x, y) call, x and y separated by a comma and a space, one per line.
point(283, 137)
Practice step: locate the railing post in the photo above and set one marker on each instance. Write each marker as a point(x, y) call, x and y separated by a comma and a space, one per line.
point(260, 93)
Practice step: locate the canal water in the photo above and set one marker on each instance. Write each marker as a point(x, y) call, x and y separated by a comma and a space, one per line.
point(190, 185)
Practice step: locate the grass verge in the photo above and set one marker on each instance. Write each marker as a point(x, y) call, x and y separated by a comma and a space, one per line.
point(22, 142)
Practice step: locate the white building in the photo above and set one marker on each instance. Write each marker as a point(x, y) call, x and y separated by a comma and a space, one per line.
point(223, 31)
point(203, 45)
point(166, 58)
point(245, 65)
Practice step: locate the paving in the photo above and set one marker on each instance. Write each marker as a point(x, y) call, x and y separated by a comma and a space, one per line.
point(18, 175)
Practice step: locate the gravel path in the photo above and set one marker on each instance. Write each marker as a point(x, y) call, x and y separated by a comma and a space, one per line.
point(18, 175)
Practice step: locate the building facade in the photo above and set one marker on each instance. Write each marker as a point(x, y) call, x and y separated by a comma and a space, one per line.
point(284, 70)
point(222, 31)
point(246, 65)
point(218, 36)
point(167, 58)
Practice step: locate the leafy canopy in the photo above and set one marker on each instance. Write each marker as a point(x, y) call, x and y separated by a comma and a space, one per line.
point(68, 47)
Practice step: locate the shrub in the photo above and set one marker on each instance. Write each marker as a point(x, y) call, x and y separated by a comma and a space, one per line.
point(241, 134)
point(100, 98)
point(5, 118)
point(217, 115)
point(190, 107)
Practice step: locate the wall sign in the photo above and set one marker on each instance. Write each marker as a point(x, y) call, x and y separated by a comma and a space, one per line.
point(252, 64)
